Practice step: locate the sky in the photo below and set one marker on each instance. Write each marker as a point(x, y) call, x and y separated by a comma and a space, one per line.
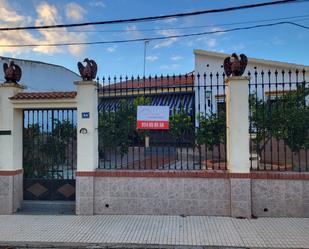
point(281, 43)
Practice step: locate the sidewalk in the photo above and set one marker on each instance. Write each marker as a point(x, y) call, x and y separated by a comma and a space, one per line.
point(160, 231)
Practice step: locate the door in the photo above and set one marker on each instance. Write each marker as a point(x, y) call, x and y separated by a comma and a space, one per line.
point(49, 154)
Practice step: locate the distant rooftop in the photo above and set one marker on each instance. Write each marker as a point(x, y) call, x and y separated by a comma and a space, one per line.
point(44, 95)
point(153, 82)
point(253, 60)
point(3, 58)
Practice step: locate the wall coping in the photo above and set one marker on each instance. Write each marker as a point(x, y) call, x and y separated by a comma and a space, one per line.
point(86, 83)
point(194, 174)
point(11, 172)
point(12, 85)
point(45, 103)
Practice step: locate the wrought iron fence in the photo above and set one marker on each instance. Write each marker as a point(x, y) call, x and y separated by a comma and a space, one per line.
point(279, 121)
point(49, 154)
point(195, 140)
point(49, 143)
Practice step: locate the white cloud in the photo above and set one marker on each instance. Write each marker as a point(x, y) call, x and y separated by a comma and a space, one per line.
point(10, 16)
point(97, 3)
point(210, 42)
point(111, 49)
point(47, 14)
point(133, 32)
point(176, 57)
point(74, 11)
point(15, 37)
point(170, 66)
point(216, 29)
point(167, 42)
point(170, 20)
point(152, 58)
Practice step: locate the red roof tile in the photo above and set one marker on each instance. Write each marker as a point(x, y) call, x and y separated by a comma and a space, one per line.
point(44, 95)
point(179, 80)
point(279, 92)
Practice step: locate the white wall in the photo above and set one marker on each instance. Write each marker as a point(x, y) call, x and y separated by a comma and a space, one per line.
point(10, 120)
point(209, 62)
point(39, 76)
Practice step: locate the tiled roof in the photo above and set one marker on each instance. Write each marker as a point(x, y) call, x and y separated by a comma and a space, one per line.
point(179, 80)
point(219, 96)
point(279, 92)
point(44, 95)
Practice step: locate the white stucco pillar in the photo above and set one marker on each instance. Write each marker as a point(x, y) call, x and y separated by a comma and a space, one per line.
point(11, 150)
point(237, 124)
point(87, 145)
point(238, 155)
point(87, 125)
point(11, 127)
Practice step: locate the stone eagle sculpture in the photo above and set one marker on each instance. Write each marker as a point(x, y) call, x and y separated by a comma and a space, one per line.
point(89, 71)
point(233, 66)
point(12, 72)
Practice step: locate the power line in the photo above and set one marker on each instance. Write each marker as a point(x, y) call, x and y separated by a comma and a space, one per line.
point(302, 18)
point(152, 18)
point(153, 38)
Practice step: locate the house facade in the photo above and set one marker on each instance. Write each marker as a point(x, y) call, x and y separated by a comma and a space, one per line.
point(261, 71)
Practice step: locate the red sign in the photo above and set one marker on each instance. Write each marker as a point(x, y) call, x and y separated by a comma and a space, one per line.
point(153, 125)
point(153, 117)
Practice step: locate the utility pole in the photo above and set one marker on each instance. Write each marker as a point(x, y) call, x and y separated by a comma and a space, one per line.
point(145, 47)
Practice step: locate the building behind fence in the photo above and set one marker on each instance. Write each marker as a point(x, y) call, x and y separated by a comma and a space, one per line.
point(196, 139)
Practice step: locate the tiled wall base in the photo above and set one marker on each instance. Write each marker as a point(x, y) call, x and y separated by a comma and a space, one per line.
point(161, 196)
point(227, 196)
point(240, 197)
point(280, 198)
point(84, 195)
point(17, 191)
point(11, 193)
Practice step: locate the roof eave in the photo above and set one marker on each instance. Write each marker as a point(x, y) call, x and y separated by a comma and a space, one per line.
point(252, 60)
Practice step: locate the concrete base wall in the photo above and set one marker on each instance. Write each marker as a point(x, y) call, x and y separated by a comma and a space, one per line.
point(164, 196)
point(11, 192)
point(84, 195)
point(280, 198)
point(240, 197)
point(190, 193)
point(17, 192)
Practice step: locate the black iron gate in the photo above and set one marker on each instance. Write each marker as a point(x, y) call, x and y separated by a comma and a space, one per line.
point(49, 154)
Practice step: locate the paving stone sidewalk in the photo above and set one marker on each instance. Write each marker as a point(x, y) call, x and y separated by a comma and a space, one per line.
point(154, 230)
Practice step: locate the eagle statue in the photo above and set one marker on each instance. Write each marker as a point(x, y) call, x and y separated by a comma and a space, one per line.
point(89, 71)
point(12, 72)
point(233, 66)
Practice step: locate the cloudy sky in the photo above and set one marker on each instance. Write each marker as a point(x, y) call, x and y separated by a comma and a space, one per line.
point(283, 43)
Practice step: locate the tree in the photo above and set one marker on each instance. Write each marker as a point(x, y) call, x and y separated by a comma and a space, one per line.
point(180, 125)
point(117, 128)
point(285, 117)
point(211, 130)
point(45, 151)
